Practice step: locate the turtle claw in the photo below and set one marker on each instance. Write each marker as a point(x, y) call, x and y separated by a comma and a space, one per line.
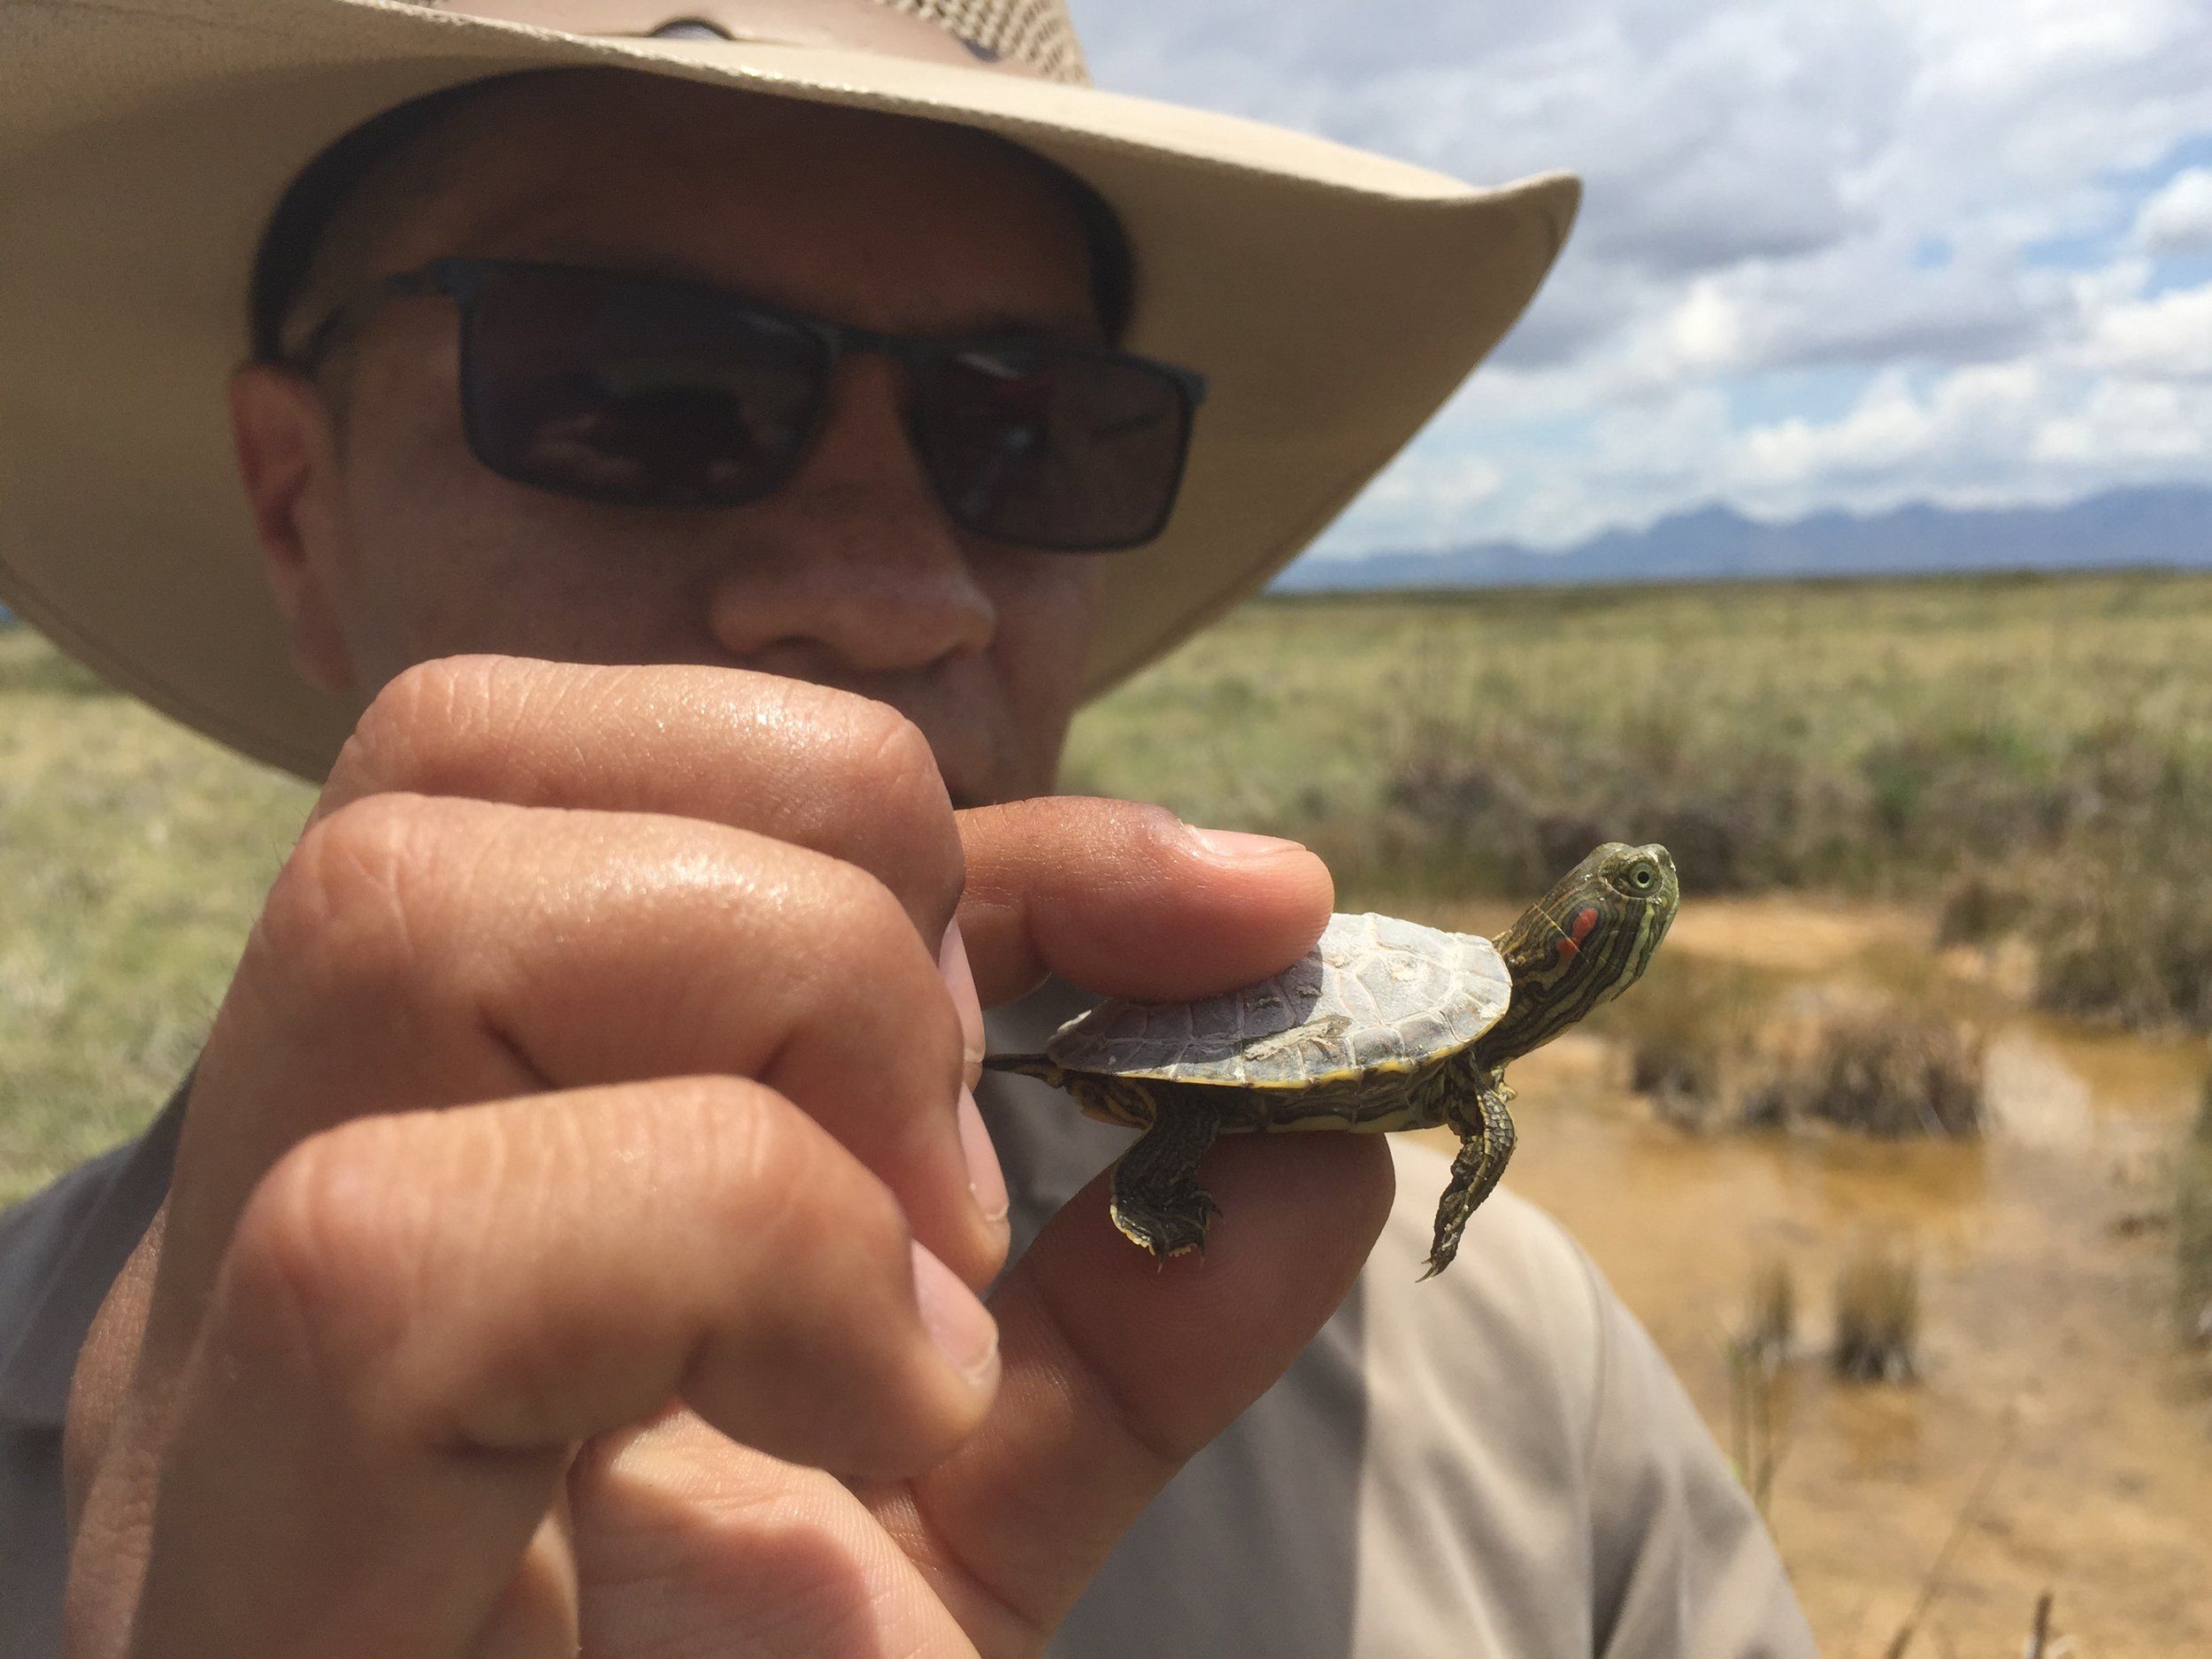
point(1166, 1226)
point(1157, 1201)
point(1485, 1143)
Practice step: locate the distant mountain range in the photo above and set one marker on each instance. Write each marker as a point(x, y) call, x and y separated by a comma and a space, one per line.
point(2167, 527)
point(2164, 528)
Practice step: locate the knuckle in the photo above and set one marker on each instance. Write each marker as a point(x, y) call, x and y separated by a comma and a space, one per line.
point(362, 860)
point(898, 756)
point(872, 1225)
point(408, 731)
point(877, 928)
point(326, 1261)
point(905, 794)
point(883, 982)
point(363, 892)
point(1144, 827)
point(781, 1190)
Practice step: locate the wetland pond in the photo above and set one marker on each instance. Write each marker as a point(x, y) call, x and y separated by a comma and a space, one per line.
point(2051, 1375)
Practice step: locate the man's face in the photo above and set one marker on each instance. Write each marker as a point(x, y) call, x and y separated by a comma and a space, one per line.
point(395, 545)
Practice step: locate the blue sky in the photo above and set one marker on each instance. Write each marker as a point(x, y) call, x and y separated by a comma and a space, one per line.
point(1833, 253)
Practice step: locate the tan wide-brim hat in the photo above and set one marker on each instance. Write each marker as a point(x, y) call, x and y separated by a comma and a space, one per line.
point(1333, 299)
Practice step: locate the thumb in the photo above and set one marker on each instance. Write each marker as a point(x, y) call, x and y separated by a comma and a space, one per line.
point(1129, 901)
point(1116, 1371)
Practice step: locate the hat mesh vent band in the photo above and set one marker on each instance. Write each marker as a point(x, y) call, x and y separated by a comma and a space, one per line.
point(1038, 33)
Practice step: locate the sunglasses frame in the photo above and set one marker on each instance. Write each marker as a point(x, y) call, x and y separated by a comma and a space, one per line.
point(463, 281)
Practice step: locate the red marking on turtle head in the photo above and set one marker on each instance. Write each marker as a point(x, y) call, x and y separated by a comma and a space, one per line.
point(1578, 929)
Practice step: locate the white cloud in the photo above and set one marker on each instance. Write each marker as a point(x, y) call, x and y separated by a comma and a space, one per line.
point(1949, 441)
point(2121, 423)
point(2179, 218)
point(1954, 207)
point(2167, 337)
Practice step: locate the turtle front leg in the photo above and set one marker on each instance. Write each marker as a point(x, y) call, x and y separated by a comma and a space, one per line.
point(1485, 1142)
point(1157, 1201)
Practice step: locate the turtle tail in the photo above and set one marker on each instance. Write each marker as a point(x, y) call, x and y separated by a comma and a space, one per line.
point(1034, 1065)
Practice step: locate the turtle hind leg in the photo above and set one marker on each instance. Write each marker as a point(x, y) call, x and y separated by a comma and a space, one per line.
point(1485, 1146)
point(1157, 1201)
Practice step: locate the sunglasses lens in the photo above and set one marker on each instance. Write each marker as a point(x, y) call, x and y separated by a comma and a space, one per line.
point(625, 390)
point(1049, 448)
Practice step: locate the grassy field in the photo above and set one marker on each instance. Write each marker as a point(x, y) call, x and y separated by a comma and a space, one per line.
point(133, 857)
point(2032, 753)
point(2021, 755)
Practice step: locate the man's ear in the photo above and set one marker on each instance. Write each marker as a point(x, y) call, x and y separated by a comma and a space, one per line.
point(288, 460)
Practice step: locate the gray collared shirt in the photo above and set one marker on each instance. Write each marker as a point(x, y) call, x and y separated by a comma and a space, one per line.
point(1496, 1463)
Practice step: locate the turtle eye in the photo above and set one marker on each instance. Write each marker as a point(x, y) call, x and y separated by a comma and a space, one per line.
point(1643, 877)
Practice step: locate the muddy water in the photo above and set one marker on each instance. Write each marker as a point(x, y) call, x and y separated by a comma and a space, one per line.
point(2048, 1361)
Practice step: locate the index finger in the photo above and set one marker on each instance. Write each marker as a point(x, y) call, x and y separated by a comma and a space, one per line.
point(812, 765)
point(1128, 900)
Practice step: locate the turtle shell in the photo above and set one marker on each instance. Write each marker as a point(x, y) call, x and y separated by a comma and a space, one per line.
point(1374, 995)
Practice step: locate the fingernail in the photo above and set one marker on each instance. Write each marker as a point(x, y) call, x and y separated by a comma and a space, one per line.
point(952, 963)
point(1240, 846)
point(986, 1180)
point(960, 1326)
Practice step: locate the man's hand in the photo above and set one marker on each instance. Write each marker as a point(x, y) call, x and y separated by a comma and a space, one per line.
point(578, 1214)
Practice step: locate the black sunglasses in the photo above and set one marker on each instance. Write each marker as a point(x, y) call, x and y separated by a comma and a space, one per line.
point(650, 392)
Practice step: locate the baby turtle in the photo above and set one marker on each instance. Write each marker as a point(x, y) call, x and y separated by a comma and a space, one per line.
point(1384, 1024)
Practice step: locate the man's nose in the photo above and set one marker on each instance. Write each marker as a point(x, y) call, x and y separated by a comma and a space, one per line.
point(853, 562)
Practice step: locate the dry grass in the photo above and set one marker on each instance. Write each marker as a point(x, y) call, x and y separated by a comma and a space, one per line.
point(1892, 1071)
point(133, 857)
point(1718, 1046)
point(2127, 936)
point(1759, 1353)
point(1981, 905)
point(1692, 1032)
point(1877, 738)
point(1877, 1317)
point(1768, 1331)
point(2193, 1225)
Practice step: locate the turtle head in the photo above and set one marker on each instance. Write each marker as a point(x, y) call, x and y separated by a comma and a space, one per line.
point(1582, 943)
point(1641, 876)
point(1634, 891)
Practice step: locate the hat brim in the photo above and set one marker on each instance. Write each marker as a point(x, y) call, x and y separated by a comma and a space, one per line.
point(1333, 298)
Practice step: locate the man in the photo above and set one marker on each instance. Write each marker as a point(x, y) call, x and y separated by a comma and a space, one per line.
point(704, 471)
